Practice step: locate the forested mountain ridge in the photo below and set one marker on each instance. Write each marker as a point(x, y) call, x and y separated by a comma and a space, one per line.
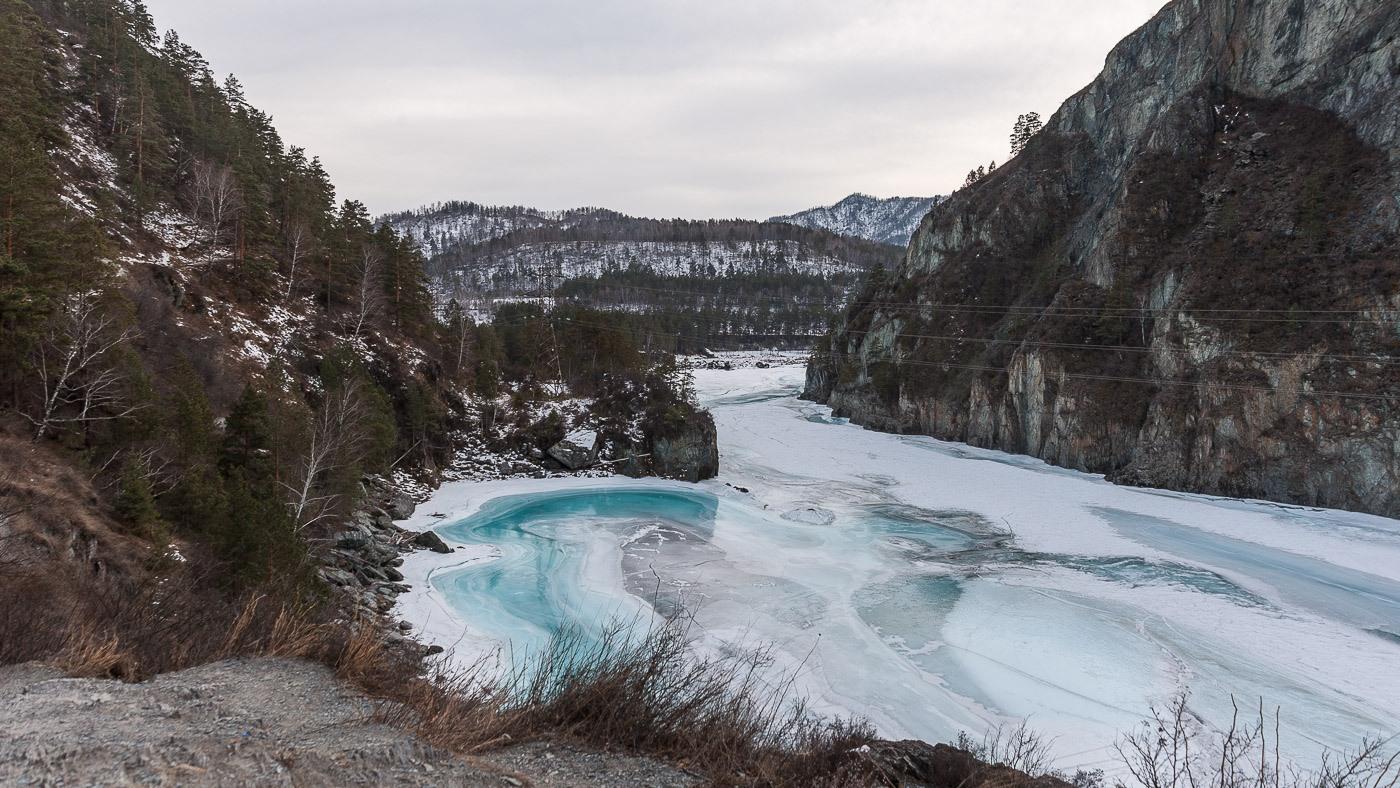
point(715, 283)
point(1188, 279)
point(892, 220)
point(170, 262)
point(204, 352)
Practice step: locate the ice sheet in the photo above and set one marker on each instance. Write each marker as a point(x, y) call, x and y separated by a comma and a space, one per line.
point(934, 587)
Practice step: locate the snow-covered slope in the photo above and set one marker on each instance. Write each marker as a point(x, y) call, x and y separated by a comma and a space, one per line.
point(438, 228)
point(529, 266)
point(887, 221)
point(768, 281)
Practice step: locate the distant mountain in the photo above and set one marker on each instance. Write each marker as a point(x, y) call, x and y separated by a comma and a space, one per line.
point(887, 221)
point(441, 227)
point(719, 282)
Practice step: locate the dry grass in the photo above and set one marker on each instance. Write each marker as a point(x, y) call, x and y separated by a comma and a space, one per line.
point(643, 694)
point(95, 626)
point(646, 694)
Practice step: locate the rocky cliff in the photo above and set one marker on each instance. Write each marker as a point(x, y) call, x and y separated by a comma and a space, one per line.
point(1187, 280)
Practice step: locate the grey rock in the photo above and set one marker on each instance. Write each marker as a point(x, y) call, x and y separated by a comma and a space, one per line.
point(431, 541)
point(337, 577)
point(352, 541)
point(574, 456)
point(227, 723)
point(400, 506)
point(691, 455)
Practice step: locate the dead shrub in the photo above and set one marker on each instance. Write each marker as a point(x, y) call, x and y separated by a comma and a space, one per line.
point(1174, 748)
point(642, 694)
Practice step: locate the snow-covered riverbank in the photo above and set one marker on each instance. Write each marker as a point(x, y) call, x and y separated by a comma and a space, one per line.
point(935, 587)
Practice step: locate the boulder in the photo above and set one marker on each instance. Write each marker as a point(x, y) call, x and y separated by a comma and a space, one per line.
point(431, 541)
point(400, 506)
point(691, 454)
point(337, 577)
point(352, 540)
point(578, 451)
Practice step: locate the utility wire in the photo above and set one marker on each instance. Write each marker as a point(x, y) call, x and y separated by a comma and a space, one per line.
point(1079, 346)
point(1088, 377)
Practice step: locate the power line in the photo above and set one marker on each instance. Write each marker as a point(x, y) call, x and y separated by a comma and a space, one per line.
point(1150, 381)
point(1089, 377)
point(1079, 346)
point(1359, 359)
point(1291, 315)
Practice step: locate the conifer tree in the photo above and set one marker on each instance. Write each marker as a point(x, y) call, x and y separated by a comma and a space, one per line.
point(1026, 127)
point(136, 505)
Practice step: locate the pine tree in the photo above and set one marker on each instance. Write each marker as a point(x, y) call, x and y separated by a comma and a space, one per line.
point(136, 505)
point(248, 437)
point(1026, 127)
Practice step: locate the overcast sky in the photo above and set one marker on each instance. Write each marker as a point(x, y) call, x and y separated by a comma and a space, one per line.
point(692, 108)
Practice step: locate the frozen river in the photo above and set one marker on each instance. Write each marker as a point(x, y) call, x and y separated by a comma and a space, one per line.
point(935, 588)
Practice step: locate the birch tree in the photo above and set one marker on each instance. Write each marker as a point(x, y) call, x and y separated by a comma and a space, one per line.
point(299, 244)
point(335, 434)
point(216, 197)
point(74, 364)
point(369, 290)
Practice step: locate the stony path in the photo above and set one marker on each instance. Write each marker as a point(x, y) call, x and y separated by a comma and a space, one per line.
point(253, 722)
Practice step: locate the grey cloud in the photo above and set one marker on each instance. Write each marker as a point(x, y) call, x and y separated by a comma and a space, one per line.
point(656, 107)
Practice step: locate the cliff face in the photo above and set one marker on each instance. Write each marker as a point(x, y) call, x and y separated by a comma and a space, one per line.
point(1189, 279)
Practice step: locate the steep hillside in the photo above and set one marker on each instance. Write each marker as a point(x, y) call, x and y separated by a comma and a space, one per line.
point(1187, 280)
point(888, 221)
point(703, 283)
point(204, 354)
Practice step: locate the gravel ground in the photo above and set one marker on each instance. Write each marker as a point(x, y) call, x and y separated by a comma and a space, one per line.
point(254, 722)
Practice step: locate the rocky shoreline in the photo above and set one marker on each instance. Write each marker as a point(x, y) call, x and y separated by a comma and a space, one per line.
point(362, 558)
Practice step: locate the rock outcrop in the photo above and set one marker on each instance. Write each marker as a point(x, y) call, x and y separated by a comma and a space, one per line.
point(691, 454)
point(916, 764)
point(361, 562)
point(1189, 279)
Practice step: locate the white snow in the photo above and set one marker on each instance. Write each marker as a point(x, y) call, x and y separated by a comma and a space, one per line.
point(892, 220)
point(586, 438)
point(522, 268)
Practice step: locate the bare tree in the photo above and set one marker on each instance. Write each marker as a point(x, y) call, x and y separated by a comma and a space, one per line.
point(146, 463)
point(335, 433)
point(1018, 747)
point(80, 382)
point(299, 243)
point(369, 287)
point(216, 198)
point(1175, 749)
